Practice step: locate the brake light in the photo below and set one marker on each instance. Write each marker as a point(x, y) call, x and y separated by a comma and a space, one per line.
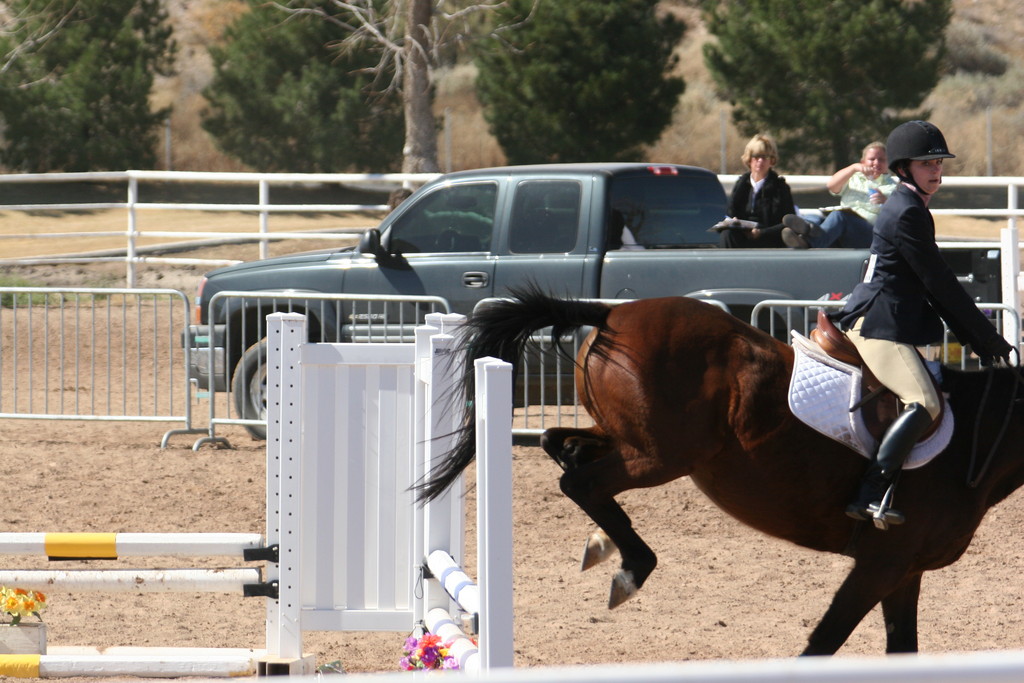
point(663, 170)
point(198, 310)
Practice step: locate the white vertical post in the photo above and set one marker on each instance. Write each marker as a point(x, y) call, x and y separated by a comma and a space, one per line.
point(443, 517)
point(285, 333)
point(421, 390)
point(264, 224)
point(494, 510)
point(450, 365)
point(1010, 267)
point(130, 251)
point(446, 323)
point(722, 138)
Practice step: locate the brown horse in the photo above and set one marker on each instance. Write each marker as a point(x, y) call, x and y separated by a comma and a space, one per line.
point(679, 388)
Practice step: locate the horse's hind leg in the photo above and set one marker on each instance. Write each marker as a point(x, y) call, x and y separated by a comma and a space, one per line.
point(572, 447)
point(580, 453)
point(569, 448)
point(638, 560)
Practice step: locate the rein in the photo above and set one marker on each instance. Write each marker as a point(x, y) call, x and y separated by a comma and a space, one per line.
point(990, 376)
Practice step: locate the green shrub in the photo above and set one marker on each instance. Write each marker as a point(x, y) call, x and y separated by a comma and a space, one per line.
point(12, 299)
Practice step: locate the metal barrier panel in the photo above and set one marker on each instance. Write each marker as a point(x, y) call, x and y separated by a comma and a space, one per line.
point(94, 354)
point(545, 394)
point(236, 361)
point(779, 316)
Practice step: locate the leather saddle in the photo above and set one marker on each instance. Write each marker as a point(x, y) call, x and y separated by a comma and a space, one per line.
point(878, 405)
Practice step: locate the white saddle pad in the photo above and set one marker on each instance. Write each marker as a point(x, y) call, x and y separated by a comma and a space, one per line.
point(821, 392)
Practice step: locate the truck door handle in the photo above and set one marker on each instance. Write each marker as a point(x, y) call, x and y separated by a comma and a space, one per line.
point(474, 279)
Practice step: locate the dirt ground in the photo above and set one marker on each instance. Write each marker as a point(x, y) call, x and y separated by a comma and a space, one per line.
point(721, 590)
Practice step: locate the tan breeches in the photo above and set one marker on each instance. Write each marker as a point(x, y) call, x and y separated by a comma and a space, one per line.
point(900, 368)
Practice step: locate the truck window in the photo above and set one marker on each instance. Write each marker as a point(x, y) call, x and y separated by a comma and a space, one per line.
point(450, 219)
point(665, 210)
point(545, 217)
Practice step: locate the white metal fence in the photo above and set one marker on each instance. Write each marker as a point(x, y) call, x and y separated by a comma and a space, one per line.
point(262, 209)
point(1012, 185)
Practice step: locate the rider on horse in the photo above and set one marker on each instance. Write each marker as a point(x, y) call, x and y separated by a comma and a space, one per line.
point(907, 291)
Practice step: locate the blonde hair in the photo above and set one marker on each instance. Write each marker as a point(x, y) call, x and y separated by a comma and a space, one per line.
point(760, 145)
point(877, 144)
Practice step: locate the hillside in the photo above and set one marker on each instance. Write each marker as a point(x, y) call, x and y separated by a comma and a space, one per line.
point(958, 104)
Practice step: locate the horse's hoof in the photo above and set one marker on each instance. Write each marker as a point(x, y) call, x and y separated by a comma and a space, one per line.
point(598, 549)
point(623, 588)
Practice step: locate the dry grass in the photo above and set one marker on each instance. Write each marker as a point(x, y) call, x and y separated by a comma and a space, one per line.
point(34, 236)
point(695, 135)
point(26, 236)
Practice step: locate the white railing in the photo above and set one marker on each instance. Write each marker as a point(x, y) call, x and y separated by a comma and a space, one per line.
point(264, 208)
point(1012, 184)
point(133, 232)
point(967, 667)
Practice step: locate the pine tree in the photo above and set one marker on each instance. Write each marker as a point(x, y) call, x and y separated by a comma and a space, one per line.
point(579, 81)
point(79, 101)
point(284, 99)
point(825, 78)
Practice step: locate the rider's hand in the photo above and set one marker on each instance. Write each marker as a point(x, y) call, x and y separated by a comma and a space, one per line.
point(998, 349)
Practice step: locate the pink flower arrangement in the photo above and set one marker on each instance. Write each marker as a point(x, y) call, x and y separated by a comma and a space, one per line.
point(427, 652)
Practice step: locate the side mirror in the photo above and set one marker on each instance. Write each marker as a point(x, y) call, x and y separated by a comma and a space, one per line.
point(369, 243)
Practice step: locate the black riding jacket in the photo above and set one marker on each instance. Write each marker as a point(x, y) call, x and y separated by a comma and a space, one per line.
point(909, 289)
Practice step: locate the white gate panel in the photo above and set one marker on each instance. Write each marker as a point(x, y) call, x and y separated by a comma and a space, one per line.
point(357, 508)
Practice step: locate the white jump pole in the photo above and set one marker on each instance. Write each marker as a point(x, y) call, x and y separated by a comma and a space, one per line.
point(110, 546)
point(156, 663)
point(231, 580)
point(466, 653)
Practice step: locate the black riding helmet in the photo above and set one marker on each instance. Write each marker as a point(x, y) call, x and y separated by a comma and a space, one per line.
point(914, 141)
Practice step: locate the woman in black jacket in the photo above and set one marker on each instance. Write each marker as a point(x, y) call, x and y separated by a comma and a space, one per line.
point(907, 292)
point(760, 195)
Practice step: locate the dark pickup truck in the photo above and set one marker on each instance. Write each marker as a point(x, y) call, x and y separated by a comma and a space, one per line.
point(471, 235)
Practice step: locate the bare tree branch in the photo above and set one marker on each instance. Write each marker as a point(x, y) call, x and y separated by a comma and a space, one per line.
point(410, 36)
point(11, 24)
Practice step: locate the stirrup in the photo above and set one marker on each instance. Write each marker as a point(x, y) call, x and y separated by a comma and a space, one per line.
point(883, 516)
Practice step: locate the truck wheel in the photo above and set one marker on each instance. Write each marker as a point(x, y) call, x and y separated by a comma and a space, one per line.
point(249, 387)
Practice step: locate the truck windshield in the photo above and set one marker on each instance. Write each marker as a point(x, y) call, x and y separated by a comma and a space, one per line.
point(660, 211)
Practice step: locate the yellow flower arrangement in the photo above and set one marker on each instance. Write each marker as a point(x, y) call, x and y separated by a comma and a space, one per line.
point(18, 603)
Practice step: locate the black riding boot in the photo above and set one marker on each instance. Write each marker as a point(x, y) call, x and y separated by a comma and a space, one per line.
point(897, 443)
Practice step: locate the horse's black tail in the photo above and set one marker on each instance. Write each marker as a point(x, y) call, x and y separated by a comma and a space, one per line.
point(502, 330)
